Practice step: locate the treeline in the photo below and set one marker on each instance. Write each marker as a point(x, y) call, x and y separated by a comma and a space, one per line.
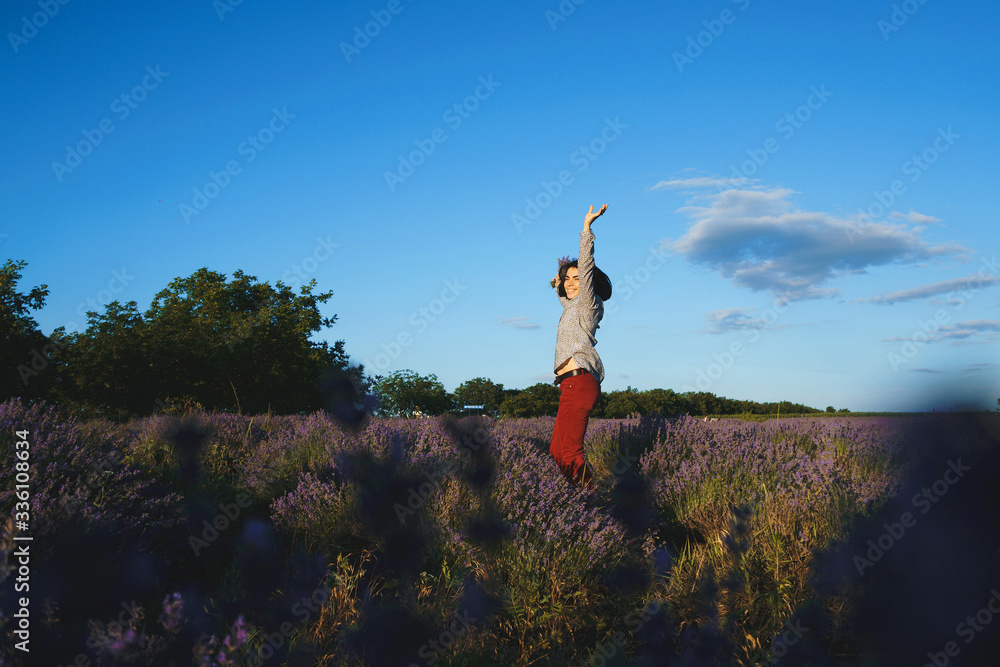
point(244, 346)
point(405, 393)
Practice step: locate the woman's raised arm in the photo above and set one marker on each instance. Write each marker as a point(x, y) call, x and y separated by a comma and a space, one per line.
point(586, 262)
point(591, 216)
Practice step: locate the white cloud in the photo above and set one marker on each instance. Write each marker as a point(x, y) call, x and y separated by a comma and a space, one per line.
point(728, 319)
point(914, 217)
point(973, 331)
point(759, 240)
point(943, 287)
point(981, 325)
point(985, 366)
point(522, 322)
point(700, 182)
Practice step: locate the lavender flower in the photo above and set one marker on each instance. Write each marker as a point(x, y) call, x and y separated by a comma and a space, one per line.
point(173, 612)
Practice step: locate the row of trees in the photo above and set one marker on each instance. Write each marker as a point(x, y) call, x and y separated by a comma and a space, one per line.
point(405, 393)
point(242, 345)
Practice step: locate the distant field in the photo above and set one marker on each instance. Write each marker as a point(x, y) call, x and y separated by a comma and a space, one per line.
point(807, 415)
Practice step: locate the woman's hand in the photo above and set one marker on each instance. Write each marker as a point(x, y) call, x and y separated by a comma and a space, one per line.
point(591, 216)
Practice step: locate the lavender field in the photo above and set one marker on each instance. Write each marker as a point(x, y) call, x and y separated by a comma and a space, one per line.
point(221, 539)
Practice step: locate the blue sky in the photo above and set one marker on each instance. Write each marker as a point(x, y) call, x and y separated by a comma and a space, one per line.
point(798, 192)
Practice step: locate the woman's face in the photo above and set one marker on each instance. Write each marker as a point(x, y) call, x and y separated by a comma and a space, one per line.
point(572, 282)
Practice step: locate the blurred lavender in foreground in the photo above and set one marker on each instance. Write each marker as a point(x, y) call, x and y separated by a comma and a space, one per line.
point(480, 501)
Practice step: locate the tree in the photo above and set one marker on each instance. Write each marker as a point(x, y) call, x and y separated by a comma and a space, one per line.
point(661, 401)
point(106, 369)
point(621, 404)
point(830, 408)
point(701, 403)
point(25, 354)
point(480, 391)
point(404, 393)
point(239, 345)
point(538, 400)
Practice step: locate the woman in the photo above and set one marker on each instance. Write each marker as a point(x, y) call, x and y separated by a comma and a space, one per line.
point(578, 368)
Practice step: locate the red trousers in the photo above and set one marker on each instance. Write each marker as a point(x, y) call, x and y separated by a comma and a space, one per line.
point(579, 396)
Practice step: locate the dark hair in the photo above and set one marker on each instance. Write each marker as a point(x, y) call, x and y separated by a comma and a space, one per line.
point(602, 284)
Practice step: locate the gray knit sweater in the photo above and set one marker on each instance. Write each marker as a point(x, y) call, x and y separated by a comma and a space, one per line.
point(581, 316)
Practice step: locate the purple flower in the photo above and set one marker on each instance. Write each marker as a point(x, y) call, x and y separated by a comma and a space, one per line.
point(173, 612)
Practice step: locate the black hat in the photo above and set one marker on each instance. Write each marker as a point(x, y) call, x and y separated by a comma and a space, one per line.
point(602, 284)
